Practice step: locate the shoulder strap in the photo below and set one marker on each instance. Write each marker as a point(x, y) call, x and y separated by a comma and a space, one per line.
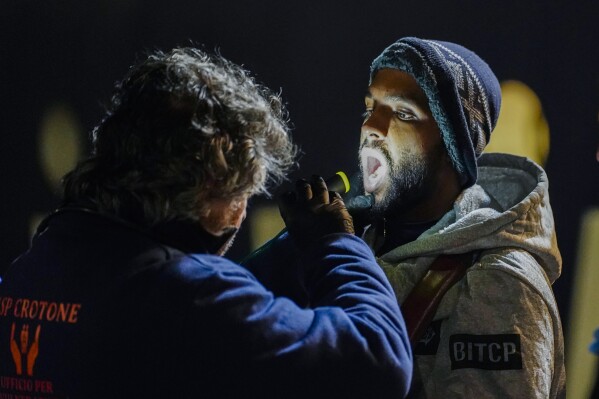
point(422, 302)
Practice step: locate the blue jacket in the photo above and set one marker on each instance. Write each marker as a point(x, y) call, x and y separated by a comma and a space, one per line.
point(100, 309)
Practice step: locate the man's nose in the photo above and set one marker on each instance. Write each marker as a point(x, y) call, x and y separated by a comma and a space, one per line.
point(375, 127)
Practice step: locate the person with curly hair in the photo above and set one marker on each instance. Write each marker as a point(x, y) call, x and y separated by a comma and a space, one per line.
point(125, 291)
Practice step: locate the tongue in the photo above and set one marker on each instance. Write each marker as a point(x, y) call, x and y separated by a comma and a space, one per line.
point(375, 173)
point(372, 164)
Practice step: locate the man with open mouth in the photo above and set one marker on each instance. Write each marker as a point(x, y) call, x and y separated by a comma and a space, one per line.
point(492, 328)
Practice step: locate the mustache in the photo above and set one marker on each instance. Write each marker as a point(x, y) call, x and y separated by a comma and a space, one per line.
point(377, 144)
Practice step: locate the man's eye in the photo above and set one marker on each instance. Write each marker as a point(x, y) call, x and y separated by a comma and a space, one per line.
point(404, 116)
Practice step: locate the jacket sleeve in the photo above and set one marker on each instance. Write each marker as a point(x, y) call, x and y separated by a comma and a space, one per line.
point(351, 341)
point(498, 342)
point(277, 267)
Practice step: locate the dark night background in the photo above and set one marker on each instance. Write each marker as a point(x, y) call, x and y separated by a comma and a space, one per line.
point(318, 53)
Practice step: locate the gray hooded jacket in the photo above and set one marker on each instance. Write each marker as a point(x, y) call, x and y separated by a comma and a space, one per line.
point(497, 332)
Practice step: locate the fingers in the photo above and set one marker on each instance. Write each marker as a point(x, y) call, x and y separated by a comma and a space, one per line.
point(304, 190)
point(311, 194)
point(320, 193)
point(336, 200)
point(315, 191)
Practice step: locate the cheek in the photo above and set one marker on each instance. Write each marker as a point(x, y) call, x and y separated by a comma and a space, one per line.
point(416, 142)
point(223, 215)
point(239, 214)
point(431, 136)
point(398, 144)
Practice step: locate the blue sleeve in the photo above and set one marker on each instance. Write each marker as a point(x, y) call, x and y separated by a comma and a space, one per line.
point(277, 267)
point(351, 342)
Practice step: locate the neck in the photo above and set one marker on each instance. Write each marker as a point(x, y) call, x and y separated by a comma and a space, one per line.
point(192, 237)
point(437, 199)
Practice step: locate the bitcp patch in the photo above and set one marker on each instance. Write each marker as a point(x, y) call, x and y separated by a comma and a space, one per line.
point(488, 352)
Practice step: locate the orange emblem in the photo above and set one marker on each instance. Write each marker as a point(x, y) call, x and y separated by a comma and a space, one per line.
point(26, 350)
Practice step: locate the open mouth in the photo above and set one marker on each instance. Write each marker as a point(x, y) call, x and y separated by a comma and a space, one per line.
point(374, 169)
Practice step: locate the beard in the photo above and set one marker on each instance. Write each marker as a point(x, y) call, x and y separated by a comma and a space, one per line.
point(411, 177)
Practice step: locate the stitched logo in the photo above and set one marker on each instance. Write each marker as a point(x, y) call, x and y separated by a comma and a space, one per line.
point(429, 343)
point(488, 352)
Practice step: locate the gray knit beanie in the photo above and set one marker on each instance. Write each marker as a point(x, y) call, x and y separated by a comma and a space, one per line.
point(463, 94)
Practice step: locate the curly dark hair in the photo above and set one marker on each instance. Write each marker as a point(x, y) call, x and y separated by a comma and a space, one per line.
point(182, 128)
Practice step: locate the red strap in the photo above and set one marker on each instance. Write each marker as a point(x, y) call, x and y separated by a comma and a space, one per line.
point(420, 306)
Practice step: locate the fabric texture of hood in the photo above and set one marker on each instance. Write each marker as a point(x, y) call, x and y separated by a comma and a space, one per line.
point(507, 208)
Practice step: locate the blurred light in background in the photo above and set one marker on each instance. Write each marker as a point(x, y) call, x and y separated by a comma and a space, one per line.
point(521, 128)
point(584, 317)
point(59, 148)
point(59, 143)
point(265, 222)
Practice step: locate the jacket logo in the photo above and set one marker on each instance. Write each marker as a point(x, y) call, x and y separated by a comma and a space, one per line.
point(429, 343)
point(24, 349)
point(488, 352)
point(25, 331)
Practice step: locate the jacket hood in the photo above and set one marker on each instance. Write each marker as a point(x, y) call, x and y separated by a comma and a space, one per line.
point(507, 208)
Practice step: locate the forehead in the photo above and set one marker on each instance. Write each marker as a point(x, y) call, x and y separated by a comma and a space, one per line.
point(393, 84)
